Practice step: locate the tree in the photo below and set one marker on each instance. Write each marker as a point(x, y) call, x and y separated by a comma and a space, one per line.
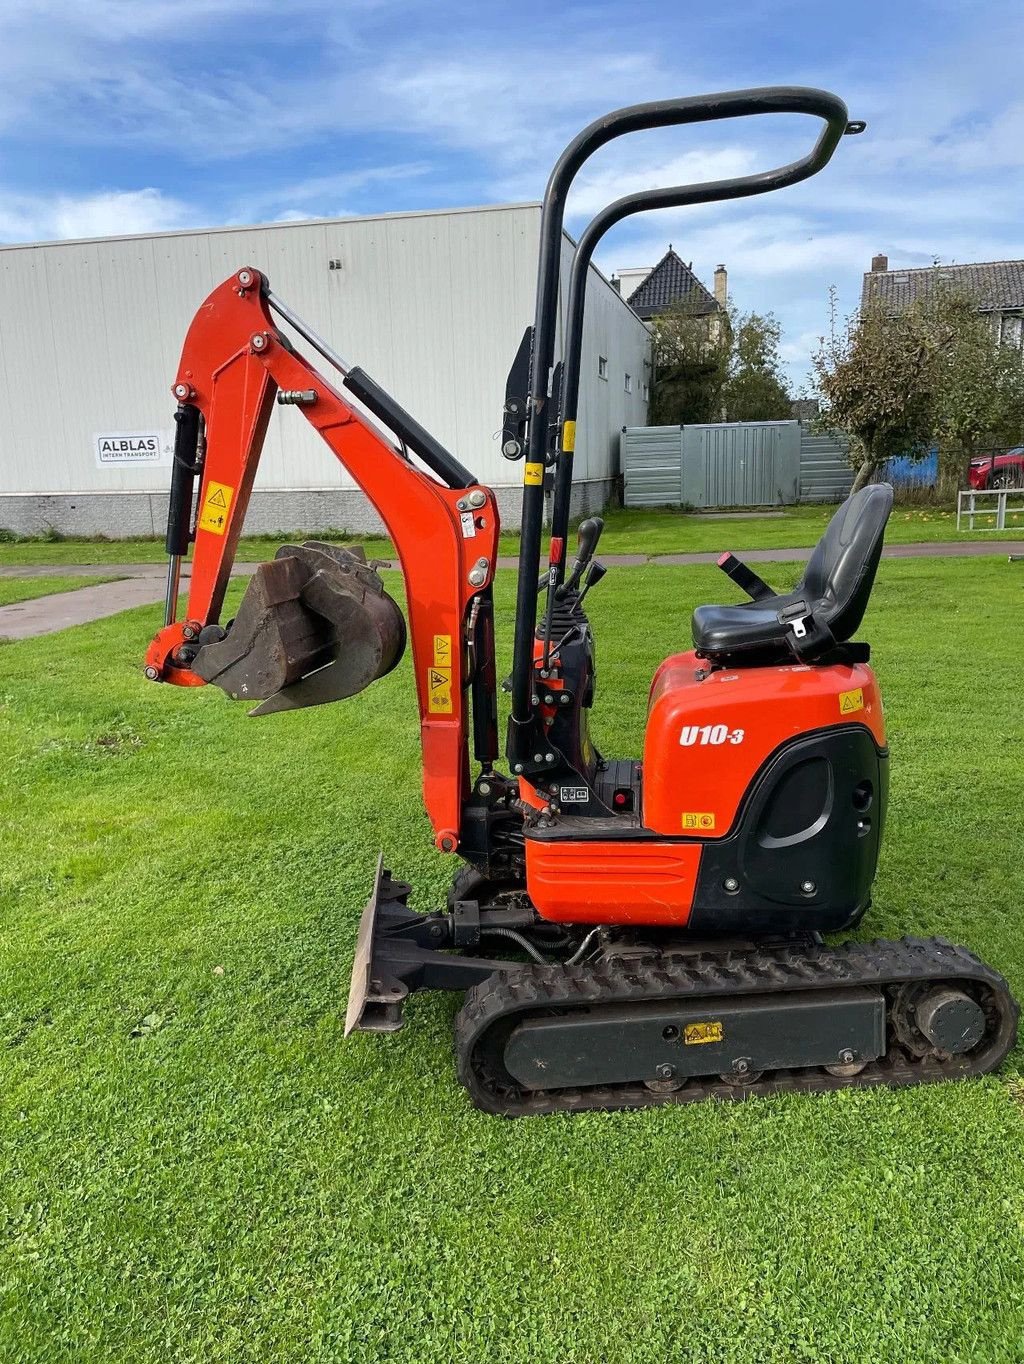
point(875, 374)
point(691, 364)
point(978, 386)
point(935, 371)
point(755, 390)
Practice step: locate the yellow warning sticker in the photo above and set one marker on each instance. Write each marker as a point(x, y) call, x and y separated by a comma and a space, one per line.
point(533, 474)
point(439, 690)
point(216, 503)
point(851, 701)
point(443, 651)
point(695, 1033)
point(698, 821)
point(569, 436)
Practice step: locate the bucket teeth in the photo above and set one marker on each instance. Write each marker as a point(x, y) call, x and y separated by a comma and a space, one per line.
point(315, 625)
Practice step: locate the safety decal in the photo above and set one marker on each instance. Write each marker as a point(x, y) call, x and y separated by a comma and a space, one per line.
point(533, 475)
point(694, 1033)
point(468, 525)
point(573, 795)
point(216, 503)
point(439, 690)
point(443, 651)
point(569, 436)
point(851, 701)
point(698, 821)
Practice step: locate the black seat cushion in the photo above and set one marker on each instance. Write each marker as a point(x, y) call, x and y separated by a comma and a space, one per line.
point(835, 589)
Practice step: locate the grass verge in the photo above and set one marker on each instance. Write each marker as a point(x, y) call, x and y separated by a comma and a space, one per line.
point(27, 589)
point(197, 1167)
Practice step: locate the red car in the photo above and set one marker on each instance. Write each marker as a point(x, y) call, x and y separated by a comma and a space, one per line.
point(998, 471)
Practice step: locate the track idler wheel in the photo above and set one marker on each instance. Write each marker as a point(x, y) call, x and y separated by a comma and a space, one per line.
point(938, 1019)
point(315, 625)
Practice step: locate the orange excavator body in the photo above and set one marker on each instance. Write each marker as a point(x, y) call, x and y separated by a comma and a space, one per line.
point(657, 922)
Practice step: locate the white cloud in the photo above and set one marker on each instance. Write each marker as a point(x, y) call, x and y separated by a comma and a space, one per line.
point(594, 189)
point(107, 213)
point(321, 196)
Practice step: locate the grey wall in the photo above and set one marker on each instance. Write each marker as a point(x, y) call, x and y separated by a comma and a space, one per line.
point(433, 305)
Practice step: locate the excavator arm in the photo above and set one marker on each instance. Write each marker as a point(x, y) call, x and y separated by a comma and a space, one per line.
point(234, 365)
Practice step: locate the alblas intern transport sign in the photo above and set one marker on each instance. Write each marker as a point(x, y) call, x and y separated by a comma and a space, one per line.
point(133, 447)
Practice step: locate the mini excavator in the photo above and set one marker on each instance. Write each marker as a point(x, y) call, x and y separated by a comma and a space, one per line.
point(627, 931)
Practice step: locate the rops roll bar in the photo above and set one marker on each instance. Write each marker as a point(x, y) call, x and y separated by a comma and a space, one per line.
point(658, 114)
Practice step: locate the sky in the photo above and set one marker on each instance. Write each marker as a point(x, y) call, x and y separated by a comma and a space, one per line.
point(121, 116)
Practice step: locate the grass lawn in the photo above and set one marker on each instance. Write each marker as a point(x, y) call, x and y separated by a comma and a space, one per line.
point(26, 589)
point(653, 531)
point(196, 1167)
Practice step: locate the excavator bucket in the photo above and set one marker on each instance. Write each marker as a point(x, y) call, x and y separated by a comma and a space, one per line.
point(315, 625)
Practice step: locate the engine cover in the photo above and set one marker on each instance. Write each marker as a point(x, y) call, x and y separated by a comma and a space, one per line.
point(710, 733)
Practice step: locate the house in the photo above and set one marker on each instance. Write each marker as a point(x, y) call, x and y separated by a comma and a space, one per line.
point(997, 287)
point(652, 291)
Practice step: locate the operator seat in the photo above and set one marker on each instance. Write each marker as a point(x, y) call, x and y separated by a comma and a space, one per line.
point(822, 611)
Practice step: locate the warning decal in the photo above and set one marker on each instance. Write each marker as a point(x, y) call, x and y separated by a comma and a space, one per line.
point(443, 651)
point(439, 690)
point(216, 503)
point(694, 1033)
point(698, 821)
point(533, 474)
point(851, 701)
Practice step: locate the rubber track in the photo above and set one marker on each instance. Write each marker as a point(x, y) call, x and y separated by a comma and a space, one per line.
point(491, 1007)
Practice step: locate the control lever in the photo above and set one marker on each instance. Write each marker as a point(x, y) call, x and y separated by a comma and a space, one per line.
point(595, 573)
point(589, 533)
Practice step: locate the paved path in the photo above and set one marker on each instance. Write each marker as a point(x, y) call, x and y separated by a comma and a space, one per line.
point(144, 583)
point(43, 615)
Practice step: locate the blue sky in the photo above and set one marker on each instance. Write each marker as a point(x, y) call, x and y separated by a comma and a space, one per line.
point(143, 115)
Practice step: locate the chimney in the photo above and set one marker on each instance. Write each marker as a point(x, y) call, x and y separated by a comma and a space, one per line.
point(721, 287)
point(879, 263)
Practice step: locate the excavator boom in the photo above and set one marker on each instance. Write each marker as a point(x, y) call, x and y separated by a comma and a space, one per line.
point(314, 626)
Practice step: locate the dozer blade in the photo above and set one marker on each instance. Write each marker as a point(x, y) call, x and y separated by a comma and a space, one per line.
point(363, 1011)
point(315, 625)
point(399, 950)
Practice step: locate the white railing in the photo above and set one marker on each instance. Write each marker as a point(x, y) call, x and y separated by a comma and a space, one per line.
point(967, 508)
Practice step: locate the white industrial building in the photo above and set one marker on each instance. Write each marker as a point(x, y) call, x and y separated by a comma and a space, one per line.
point(432, 305)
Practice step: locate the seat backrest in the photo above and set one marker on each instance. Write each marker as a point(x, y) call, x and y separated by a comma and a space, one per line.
point(840, 573)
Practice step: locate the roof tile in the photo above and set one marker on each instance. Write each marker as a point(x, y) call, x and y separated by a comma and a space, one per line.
point(997, 285)
point(670, 281)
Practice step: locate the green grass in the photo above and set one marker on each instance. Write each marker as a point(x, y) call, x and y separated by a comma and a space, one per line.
point(661, 530)
point(26, 589)
point(653, 531)
point(196, 1167)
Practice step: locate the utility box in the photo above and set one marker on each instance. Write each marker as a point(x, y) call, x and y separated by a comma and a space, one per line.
point(724, 464)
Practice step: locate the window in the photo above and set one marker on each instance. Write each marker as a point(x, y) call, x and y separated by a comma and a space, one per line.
point(645, 390)
point(602, 367)
point(629, 383)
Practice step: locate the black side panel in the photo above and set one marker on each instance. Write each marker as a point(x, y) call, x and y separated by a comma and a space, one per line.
point(804, 853)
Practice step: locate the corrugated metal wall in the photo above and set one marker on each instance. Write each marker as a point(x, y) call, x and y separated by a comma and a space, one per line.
point(732, 464)
point(741, 464)
point(651, 459)
point(825, 472)
point(432, 305)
